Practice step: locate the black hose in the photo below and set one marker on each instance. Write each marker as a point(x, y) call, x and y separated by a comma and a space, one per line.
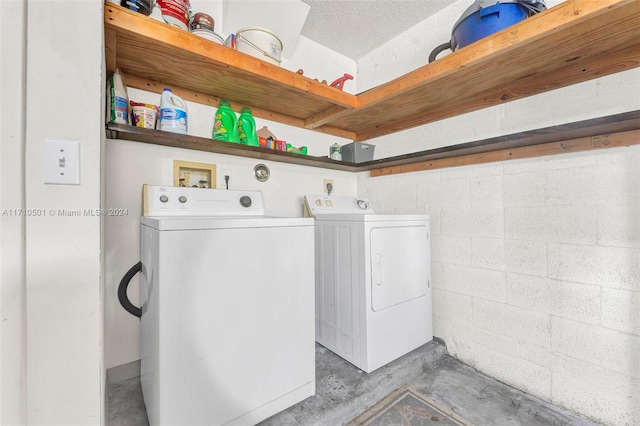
point(122, 291)
point(438, 50)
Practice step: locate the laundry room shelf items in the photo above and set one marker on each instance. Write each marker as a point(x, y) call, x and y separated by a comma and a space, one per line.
point(157, 137)
point(598, 133)
point(567, 44)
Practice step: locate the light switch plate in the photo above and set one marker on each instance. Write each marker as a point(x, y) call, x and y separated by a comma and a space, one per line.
point(61, 162)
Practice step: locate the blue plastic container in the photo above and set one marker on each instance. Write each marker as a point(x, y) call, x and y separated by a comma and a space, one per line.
point(141, 6)
point(485, 17)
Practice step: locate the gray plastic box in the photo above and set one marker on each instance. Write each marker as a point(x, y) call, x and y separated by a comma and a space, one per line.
point(357, 152)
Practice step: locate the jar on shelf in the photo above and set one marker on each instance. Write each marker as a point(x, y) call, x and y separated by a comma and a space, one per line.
point(335, 152)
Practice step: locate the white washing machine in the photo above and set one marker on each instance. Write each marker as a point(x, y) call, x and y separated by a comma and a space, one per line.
point(227, 334)
point(373, 280)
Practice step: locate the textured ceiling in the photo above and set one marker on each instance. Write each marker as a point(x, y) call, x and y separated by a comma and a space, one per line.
point(356, 27)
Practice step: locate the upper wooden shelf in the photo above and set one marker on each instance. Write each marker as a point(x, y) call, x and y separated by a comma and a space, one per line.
point(573, 42)
point(153, 55)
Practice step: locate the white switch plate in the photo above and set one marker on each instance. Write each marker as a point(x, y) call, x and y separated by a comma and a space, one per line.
point(61, 162)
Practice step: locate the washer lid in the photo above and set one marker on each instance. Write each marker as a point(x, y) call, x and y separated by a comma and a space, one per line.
point(183, 223)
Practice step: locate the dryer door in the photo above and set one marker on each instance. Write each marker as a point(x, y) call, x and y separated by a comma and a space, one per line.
point(400, 264)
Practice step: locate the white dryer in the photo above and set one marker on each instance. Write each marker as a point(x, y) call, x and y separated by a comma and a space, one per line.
point(373, 280)
point(227, 316)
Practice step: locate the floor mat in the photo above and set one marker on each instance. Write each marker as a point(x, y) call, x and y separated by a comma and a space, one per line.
point(408, 407)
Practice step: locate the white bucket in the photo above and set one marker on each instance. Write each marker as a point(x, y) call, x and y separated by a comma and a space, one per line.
point(209, 35)
point(260, 43)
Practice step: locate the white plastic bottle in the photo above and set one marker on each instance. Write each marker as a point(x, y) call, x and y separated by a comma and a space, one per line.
point(173, 113)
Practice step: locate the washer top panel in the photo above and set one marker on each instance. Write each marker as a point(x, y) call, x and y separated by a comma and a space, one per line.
point(183, 201)
point(202, 223)
point(169, 208)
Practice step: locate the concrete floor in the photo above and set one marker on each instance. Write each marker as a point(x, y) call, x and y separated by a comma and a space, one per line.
point(343, 392)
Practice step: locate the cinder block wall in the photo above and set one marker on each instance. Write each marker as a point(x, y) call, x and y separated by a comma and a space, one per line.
point(536, 272)
point(536, 262)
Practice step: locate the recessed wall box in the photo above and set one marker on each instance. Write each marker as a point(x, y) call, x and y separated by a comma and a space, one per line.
point(192, 174)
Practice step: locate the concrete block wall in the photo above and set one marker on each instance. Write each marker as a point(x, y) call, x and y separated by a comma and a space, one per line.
point(539, 293)
point(536, 262)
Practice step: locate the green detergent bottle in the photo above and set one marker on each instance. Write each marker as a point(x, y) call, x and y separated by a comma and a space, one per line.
point(247, 128)
point(225, 126)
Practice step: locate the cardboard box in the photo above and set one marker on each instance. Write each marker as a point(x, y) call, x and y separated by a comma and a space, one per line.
point(357, 152)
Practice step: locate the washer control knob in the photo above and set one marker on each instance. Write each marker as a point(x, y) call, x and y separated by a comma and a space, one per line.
point(182, 199)
point(329, 203)
point(362, 204)
point(245, 201)
point(319, 202)
point(164, 198)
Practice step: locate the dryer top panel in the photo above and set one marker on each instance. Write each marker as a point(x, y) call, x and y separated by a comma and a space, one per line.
point(324, 205)
point(372, 218)
point(342, 208)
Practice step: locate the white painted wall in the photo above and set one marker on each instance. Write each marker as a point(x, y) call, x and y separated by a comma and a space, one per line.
point(62, 311)
point(536, 262)
point(12, 297)
point(129, 165)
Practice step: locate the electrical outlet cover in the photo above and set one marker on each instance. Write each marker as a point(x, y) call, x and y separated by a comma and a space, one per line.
point(325, 182)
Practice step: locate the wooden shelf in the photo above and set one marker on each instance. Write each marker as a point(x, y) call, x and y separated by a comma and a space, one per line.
point(158, 137)
point(599, 133)
point(570, 43)
point(153, 55)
